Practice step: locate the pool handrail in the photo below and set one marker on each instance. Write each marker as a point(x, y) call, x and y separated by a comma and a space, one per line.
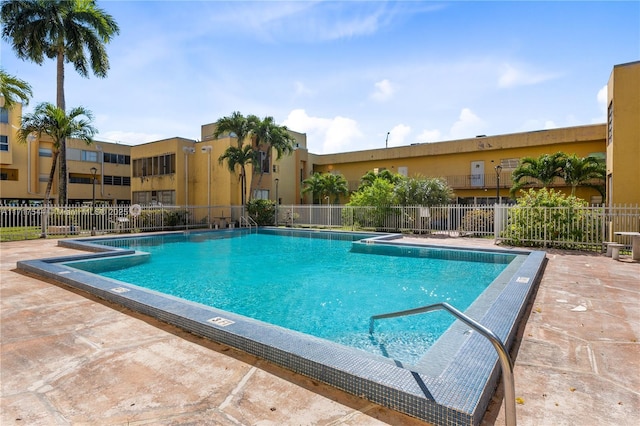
point(249, 222)
point(505, 360)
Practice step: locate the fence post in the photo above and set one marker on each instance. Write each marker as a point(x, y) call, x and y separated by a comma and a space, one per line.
point(545, 227)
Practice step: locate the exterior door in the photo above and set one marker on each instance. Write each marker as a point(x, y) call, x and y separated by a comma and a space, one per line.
point(477, 174)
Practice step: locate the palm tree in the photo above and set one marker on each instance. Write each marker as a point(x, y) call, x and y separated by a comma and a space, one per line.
point(13, 90)
point(335, 185)
point(54, 122)
point(579, 171)
point(241, 157)
point(323, 185)
point(314, 185)
point(273, 137)
point(74, 31)
point(368, 178)
point(236, 125)
point(544, 168)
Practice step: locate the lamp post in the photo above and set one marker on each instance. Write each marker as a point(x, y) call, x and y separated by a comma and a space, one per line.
point(386, 142)
point(207, 149)
point(93, 202)
point(498, 170)
point(275, 218)
point(187, 150)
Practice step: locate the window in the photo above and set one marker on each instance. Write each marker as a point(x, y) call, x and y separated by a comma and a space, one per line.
point(264, 162)
point(117, 158)
point(45, 152)
point(610, 124)
point(4, 115)
point(154, 166)
point(151, 197)
point(117, 180)
point(261, 194)
point(90, 156)
point(9, 174)
point(4, 143)
point(81, 179)
point(509, 163)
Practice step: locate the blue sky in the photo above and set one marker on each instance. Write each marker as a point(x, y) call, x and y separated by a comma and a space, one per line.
point(347, 73)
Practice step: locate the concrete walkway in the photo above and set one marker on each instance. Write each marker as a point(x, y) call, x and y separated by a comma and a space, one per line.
point(68, 358)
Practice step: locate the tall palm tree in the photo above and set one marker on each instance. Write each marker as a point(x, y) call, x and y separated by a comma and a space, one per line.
point(240, 157)
point(13, 90)
point(271, 136)
point(580, 171)
point(236, 125)
point(74, 31)
point(544, 169)
point(54, 122)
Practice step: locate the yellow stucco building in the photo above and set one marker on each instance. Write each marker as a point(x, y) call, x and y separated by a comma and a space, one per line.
point(181, 171)
point(25, 167)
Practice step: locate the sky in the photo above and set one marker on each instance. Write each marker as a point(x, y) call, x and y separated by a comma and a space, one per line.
point(352, 75)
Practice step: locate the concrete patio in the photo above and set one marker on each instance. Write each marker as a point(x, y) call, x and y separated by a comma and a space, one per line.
point(69, 358)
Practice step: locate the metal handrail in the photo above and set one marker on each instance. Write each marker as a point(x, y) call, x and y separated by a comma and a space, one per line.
point(503, 354)
point(249, 221)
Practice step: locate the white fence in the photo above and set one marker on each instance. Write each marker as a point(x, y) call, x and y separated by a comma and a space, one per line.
point(580, 228)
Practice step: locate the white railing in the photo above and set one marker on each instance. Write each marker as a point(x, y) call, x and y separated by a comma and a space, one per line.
point(581, 228)
point(18, 223)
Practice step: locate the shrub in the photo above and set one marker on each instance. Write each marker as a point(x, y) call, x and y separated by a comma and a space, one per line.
point(477, 220)
point(262, 211)
point(546, 215)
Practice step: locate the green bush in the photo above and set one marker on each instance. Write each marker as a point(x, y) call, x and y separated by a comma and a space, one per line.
point(175, 217)
point(477, 221)
point(262, 211)
point(547, 217)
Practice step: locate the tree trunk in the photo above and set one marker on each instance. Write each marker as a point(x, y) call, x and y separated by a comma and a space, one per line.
point(60, 101)
point(52, 173)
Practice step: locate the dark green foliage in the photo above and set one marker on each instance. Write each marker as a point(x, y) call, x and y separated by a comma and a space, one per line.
point(262, 211)
point(546, 216)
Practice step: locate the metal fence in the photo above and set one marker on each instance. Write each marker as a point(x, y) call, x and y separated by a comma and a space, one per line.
point(18, 223)
point(563, 227)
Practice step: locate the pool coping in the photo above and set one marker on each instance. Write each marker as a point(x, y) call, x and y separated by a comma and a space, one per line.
point(458, 395)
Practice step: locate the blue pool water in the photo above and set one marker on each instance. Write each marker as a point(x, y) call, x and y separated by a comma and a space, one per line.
point(326, 287)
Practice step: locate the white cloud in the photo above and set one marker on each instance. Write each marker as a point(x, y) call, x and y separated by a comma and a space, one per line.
point(602, 98)
point(309, 21)
point(511, 77)
point(550, 124)
point(467, 126)
point(429, 136)
point(325, 135)
point(384, 90)
point(398, 134)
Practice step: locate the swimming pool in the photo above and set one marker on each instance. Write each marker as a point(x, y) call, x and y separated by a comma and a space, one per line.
point(451, 384)
point(312, 283)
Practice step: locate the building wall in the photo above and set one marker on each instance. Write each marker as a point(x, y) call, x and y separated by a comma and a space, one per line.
point(468, 165)
point(27, 167)
point(623, 142)
point(159, 172)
